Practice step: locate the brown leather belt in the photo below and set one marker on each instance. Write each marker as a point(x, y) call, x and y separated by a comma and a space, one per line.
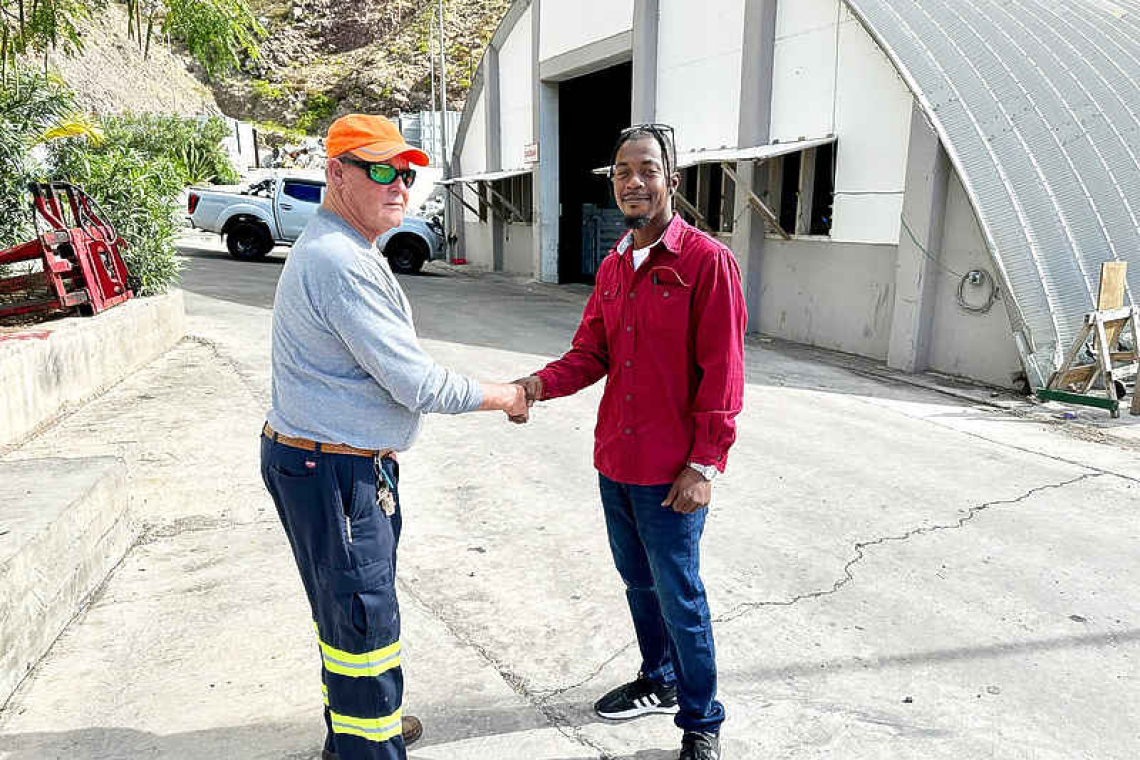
point(326, 448)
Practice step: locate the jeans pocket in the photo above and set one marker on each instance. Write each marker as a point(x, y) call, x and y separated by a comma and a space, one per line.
point(365, 600)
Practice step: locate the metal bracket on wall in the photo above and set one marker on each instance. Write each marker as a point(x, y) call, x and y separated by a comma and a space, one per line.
point(459, 197)
point(754, 201)
point(687, 206)
point(515, 213)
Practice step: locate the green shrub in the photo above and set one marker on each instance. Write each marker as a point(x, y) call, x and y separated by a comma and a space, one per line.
point(138, 193)
point(289, 133)
point(194, 146)
point(318, 107)
point(30, 105)
point(268, 91)
point(217, 33)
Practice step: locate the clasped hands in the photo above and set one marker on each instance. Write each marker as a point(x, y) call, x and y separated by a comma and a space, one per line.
point(530, 391)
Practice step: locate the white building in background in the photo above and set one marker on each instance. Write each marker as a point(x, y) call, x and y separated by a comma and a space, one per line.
point(925, 183)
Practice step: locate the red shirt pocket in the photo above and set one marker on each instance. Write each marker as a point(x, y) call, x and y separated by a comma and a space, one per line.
point(668, 308)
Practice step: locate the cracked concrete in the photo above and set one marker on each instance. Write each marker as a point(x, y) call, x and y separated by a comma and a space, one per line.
point(848, 574)
point(986, 563)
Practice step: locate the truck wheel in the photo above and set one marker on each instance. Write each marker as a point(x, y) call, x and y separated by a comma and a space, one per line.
point(247, 241)
point(406, 254)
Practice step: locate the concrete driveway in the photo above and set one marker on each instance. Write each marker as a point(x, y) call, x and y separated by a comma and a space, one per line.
point(895, 573)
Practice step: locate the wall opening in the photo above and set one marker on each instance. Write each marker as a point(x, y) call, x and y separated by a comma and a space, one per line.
point(823, 189)
point(592, 111)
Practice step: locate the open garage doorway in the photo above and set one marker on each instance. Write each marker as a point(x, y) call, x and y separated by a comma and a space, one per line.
point(592, 111)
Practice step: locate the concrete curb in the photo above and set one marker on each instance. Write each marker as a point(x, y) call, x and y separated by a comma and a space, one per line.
point(50, 366)
point(66, 525)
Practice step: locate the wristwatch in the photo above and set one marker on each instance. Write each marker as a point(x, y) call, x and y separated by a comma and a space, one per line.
point(707, 471)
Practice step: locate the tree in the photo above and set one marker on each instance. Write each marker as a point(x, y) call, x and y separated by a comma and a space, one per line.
point(37, 26)
point(218, 33)
point(34, 108)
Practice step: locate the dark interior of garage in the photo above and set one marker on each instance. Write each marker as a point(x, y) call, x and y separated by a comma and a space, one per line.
point(592, 111)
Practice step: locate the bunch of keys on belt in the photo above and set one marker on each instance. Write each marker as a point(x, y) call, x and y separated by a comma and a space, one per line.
point(384, 489)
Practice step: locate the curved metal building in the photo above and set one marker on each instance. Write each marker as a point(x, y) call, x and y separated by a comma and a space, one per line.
point(1037, 103)
point(935, 182)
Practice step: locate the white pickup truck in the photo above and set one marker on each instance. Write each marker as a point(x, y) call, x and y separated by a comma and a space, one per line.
point(275, 210)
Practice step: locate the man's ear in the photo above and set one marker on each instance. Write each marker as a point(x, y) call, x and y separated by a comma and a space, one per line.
point(335, 173)
point(674, 182)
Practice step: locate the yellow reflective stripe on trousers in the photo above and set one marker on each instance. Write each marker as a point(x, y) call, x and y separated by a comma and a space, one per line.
point(360, 665)
point(325, 694)
point(372, 729)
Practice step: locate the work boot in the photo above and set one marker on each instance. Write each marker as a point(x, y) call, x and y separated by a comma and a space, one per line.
point(410, 726)
point(412, 729)
point(697, 745)
point(637, 698)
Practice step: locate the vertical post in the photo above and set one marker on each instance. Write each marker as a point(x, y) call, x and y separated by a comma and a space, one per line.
point(646, 20)
point(436, 148)
point(807, 192)
point(494, 144)
point(916, 273)
point(545, 121)
point(443, 125)
point(748, 235)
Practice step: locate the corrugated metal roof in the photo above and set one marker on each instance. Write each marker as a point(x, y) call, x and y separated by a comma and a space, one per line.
point(1037, 102)
point(486, 176)
point(690, 158)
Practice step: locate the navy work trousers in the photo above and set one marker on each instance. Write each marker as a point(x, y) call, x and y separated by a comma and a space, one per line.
point(657, 554)
point(345, 549)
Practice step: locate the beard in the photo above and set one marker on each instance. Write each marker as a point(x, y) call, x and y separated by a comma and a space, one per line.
point(637, 222)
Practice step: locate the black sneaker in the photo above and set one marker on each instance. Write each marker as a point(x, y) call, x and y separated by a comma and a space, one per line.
point(637, 698)
point(697, 745)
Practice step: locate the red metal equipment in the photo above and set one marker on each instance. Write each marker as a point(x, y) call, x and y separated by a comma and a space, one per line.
point(74, 262)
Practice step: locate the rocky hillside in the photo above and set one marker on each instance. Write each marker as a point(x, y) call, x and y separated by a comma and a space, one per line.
point(111, 74)
point(323, 58)
point(320, 59)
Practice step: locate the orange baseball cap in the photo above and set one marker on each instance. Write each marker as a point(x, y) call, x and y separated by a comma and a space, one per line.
point(370, 138)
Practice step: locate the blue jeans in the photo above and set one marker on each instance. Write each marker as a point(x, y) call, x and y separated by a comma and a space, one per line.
point(657, 553)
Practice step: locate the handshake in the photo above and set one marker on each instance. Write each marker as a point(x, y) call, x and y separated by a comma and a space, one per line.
point(527, 390)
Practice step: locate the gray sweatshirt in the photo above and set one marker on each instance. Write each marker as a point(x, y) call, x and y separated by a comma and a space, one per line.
point(347, 366)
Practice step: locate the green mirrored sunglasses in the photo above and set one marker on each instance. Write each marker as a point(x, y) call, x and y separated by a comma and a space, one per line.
point(385, 174)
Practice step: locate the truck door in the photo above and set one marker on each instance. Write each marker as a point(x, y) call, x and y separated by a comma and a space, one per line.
point(297, 204)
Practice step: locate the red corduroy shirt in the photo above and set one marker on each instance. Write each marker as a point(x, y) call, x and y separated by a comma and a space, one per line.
point(669, 339)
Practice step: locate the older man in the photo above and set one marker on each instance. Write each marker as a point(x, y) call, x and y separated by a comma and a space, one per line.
point(665, 327)
point(350, 386)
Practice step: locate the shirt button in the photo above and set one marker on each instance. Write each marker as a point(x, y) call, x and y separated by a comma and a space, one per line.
point(666, 294)
point(632, 295)
point(629, 363)
point(629, 397)
point(629, 328)
point(629, 431)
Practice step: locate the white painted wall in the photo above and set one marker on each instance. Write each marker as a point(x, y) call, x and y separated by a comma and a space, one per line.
point(473, 158)
point(803, 69)
point(477, 241)
point(570, 24)
point(518, 249)
point(832, 295)
point(977, 346)
point(873, 111)
point(831, 77)
point(516, 95)
point(699, 51)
